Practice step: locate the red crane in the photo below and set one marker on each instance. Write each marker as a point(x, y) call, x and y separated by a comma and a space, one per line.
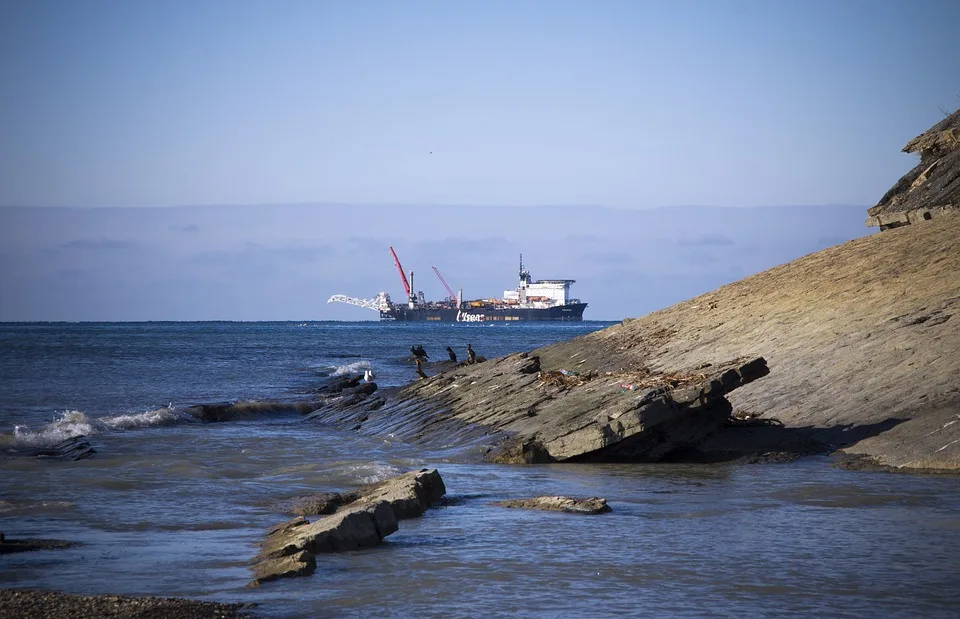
point(403, 278)
point(453, 296)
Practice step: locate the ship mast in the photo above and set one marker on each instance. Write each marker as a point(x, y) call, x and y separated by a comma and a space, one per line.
point(524, 280)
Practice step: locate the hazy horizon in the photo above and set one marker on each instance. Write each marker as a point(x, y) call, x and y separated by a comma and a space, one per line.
point(283, 262)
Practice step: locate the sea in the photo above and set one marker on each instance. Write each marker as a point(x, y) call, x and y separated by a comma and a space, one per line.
point(169, 506)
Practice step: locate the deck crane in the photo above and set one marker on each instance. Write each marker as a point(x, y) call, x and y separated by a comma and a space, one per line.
point(403, 277)
point(453, 296)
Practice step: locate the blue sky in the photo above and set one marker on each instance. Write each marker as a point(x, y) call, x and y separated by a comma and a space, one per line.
point(625, 104)
point(246, 160)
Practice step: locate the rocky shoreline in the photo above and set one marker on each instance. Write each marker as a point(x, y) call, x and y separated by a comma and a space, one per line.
point(32, 604)
point(852, 350)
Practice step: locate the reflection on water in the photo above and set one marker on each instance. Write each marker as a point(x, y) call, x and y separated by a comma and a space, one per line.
point(179, 510)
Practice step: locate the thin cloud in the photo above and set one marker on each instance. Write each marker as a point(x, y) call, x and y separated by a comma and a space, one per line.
point(709, 240)
point(97, 244)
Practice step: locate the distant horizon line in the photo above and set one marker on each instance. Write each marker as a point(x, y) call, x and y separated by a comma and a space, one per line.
point(372, 320)
point(431, 205)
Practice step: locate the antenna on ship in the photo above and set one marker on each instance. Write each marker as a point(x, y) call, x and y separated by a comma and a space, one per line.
point(524, 275)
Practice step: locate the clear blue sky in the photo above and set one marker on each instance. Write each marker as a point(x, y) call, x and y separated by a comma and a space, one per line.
point(624, 104)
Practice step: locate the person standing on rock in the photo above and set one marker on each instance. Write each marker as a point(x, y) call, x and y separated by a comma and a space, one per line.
point(471, 356)
point(453, 355)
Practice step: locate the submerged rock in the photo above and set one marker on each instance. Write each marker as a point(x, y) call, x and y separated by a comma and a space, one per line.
point(8, 545)
point(233, 411)
point(593, 505)
point(74, 448)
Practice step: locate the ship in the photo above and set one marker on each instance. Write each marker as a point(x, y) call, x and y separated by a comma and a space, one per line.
point(531, 300)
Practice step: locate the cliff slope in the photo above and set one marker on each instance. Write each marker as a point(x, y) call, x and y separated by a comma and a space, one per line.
point(862, 341)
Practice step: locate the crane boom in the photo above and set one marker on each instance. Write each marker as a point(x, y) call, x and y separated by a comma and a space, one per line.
point(379, 303)
point(403, 278)
point(444, 282)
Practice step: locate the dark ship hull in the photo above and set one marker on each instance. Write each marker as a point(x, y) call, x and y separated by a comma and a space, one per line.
point(571, 312)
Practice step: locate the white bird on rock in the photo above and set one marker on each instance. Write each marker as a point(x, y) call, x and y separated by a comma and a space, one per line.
point(368, 376)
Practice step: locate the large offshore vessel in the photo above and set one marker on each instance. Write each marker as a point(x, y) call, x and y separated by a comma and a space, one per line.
point(532, 300)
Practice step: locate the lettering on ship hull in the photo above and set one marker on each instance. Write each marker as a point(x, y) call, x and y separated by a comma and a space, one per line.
point(465, 317)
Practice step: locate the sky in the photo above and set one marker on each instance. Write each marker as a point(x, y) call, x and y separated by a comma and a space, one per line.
point(160, 158)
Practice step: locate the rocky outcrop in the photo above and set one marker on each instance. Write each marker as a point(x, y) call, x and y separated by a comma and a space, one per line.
point(593, 505)
point(361, 520)
point(520, 416)
point(932, 187)
point(858, 344)
point(290, 549)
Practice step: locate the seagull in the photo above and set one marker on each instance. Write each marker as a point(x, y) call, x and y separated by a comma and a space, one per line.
point(368, 376)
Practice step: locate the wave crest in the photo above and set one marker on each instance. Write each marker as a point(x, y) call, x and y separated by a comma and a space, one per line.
point(74, 423)
point(357, 367)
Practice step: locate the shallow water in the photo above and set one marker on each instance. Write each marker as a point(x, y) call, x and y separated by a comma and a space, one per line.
point(170, 507)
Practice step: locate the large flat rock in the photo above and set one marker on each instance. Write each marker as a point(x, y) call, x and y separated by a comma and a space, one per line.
point(363, 518)
point(554, 415)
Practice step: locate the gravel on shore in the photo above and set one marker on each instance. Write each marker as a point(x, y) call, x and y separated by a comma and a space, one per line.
point(31, 604)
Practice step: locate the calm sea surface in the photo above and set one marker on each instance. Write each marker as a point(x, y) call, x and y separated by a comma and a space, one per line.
point(172, 507)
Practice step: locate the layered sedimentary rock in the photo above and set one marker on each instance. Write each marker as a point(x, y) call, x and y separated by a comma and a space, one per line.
point(929, 189)
point(361, 519)
point(860, 341)
point(554, 415)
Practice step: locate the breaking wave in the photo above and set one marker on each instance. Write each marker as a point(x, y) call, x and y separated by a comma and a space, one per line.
point(357, 367)
point(74, 423)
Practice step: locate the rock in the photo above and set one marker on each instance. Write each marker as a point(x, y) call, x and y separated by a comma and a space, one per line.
point(409, 494)
point(74, 448)
point(930, 189)
point(321, 503)
point(361, 520)
point(302, 563)
point(232, 411)
point(358, 526)
point(529, 365)
point(8, 545)
point(559, 415)
point(594, 505)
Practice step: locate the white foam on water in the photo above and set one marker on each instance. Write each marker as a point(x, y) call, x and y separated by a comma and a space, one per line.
point(73, 423)
point(357, 367)
point(70, 424)
point(165, 416)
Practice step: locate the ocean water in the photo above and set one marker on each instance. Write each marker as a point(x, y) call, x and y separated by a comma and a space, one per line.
point(169, 506)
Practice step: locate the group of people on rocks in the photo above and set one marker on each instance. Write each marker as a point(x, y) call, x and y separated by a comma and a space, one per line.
point(420, 355)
